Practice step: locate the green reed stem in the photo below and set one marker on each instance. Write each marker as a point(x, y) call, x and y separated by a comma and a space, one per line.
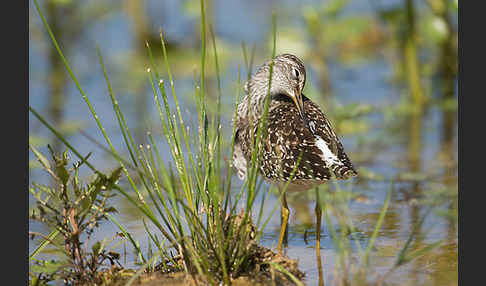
point(378, 225)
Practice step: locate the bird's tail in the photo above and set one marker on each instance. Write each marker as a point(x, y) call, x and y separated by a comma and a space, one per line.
point(344, 171)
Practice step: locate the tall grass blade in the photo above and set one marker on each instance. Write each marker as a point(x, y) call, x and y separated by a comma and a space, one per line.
point(378, 225)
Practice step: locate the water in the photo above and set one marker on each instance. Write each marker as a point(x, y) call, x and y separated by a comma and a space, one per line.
point(387, 150)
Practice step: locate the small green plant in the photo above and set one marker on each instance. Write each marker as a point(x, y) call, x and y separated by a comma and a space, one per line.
point(72, 209)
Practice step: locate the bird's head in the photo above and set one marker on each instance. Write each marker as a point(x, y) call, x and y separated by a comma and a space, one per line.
point(288, 79)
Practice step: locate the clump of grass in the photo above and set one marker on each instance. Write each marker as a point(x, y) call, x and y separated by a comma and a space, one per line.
point(189, 206)
point(73, 210)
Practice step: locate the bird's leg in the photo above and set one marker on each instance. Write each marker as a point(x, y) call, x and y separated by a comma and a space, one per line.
point(318, 238)
point(318, 225)
point(284, 220)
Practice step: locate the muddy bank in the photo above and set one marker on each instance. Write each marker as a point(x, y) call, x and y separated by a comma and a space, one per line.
point(263, 273)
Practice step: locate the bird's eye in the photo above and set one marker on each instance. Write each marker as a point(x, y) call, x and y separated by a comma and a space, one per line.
point(295, 73)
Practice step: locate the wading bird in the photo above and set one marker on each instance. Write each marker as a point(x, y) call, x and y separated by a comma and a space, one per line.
point(298, 143)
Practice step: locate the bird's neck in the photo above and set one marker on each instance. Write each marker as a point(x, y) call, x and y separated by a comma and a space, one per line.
point(252, 107)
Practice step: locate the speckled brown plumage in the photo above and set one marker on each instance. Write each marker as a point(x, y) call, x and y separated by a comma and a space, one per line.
point(290, 137)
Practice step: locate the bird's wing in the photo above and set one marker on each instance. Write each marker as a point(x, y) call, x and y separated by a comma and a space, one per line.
point(313, 144)
point(328, 142)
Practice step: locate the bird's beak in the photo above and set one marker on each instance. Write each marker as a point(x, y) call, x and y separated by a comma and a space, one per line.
point(297, 98)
